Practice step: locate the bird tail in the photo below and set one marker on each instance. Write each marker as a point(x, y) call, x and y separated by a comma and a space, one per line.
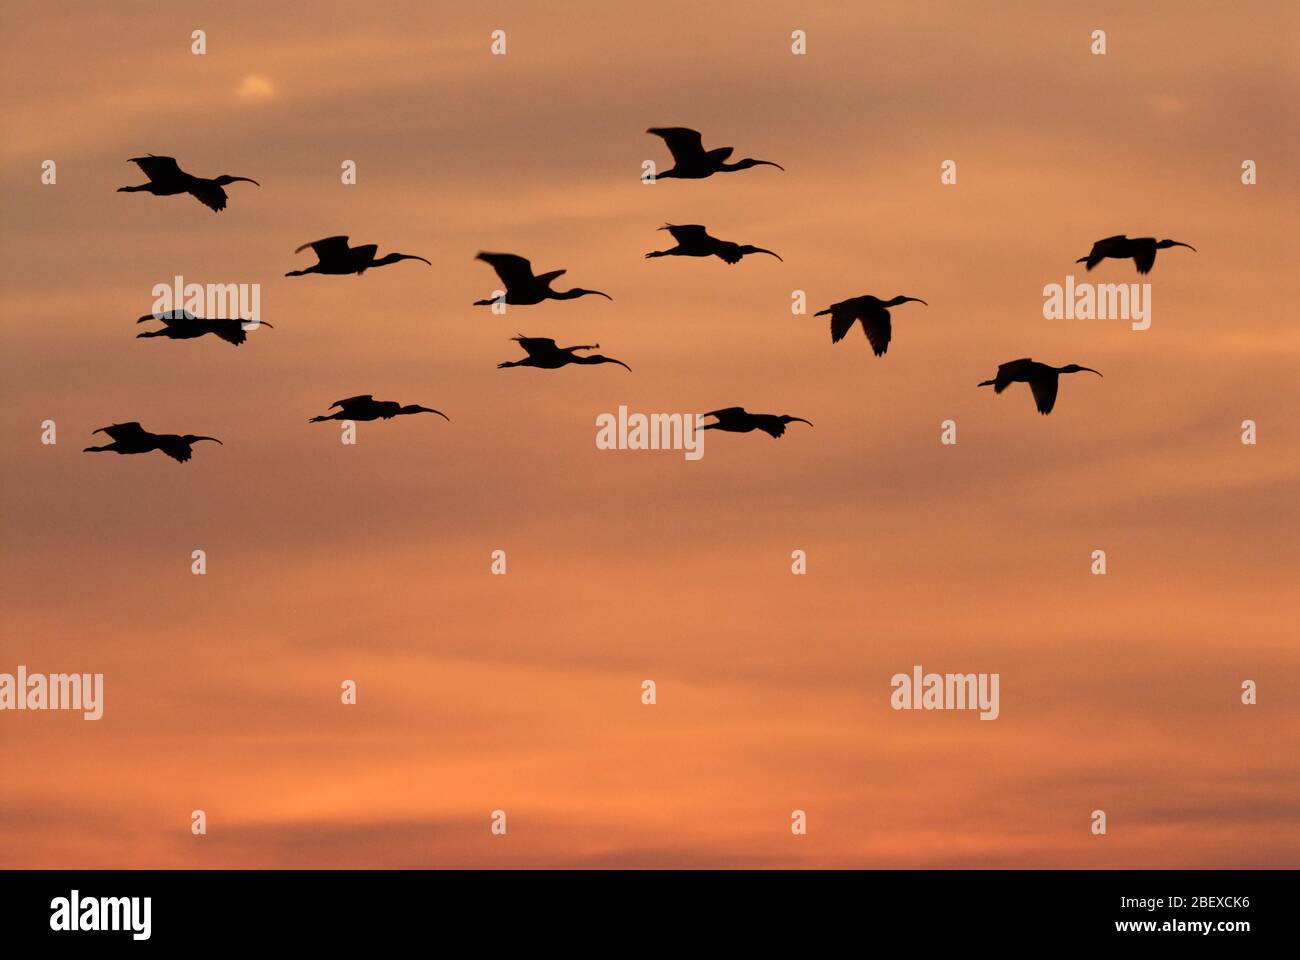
point(822, 313)
point(318, 419)
point(987, 383)
point(508, 363)
point(484, 303)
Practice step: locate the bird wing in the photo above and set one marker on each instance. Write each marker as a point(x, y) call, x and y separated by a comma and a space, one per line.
point(512, 269)
point(353, 401)
point(209, 194)
point(727, 413)
point(769, 424)
point(683, 143)
point(124, 431)
point(327, 247)
point(1044, 388)
point(231, 331)
point(158, 168)
point(1104, 248)
point(687, 233)
point(841, 323)
point(546, 279)
point(1145, 258)
point(878, 330)
point(364, 253)
point(1009, 371)
point(536, 346)
point(176, 448)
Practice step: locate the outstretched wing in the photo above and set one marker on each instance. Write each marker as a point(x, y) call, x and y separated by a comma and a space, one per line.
point(536, 346)
point(209, 194)
point(1107, 247)
point(688, 233)
point(125, 431)
point(878, 330)
point(1010, 372)
point(329, 247)
point(1145, 258)
point(158, 168)
point(725, 412)
point(170, 317)
point(231, 331)
point(841, 322)
point(1044, 388)
point(684, 144)
point(512, 269)
point(353, 401)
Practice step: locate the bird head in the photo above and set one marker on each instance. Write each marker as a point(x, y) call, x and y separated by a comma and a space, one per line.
point(416, 408)
point(1075, 368)
point(751, 162)
point(226, 178)
point(1175, 243)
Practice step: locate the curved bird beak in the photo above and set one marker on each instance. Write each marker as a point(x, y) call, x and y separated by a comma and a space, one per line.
point(438, 412)
point(620, 363)
point(1090, 370)
point(1179, 243)
point(801, 420)
point(599, 294)
point(915, 300)
point(768, 252)
point(245, 180)
point(769, 163)
point(213, 439)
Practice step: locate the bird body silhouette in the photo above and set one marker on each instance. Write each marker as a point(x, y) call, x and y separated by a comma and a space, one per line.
point(133, 438)
point(1043, 380)
point(167, 179)
point(183, 325)
point(693, 240)
point(543, 352)
point(1141, 250)
point(523, 288)
point(366, 407)
point(872, 312)
point(338, 259)
point(740, 420)
point(692, 162)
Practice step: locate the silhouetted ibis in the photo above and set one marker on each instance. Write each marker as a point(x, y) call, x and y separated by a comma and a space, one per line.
point(522, 287)
point(1141, 250)
point(166, 179)
point(542, 352)
point(183, 325)
point(337, 258)
point(366, 407)
point(133, 438)
point(1042, 379)
point(874, 314)
point(740, 420)
point(692, 162)
point(694, 241)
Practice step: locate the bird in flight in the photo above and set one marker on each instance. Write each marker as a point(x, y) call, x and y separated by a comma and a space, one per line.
point(740, 420)
point(133, 438)
point(522, 287)
point(366, 407)
point(1042, 379)
point(542, 352)
point(337, 258)
point(167, 179)
point(692, 162)
point(874, 314)
point(183, 325)
point(1141, 250)
point(694, 241)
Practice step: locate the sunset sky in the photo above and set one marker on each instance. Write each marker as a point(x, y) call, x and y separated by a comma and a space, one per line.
point(522, 692)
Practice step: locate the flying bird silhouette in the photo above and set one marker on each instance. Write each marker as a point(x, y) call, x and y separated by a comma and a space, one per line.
point(1141, 250)
point(337, 258)
point(522, 287)
point(1042, 379)
point(133, 438)
point(694, 241)
point(740, 420)
point(692, 162)
point(542, 352)
point(183, 325)
point(167, 179)
point(366, 407)
point(872, 312)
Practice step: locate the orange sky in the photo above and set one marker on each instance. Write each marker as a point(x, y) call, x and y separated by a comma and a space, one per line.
point(522, 692)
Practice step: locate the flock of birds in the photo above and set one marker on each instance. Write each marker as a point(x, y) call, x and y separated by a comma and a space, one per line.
point(335, 256)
